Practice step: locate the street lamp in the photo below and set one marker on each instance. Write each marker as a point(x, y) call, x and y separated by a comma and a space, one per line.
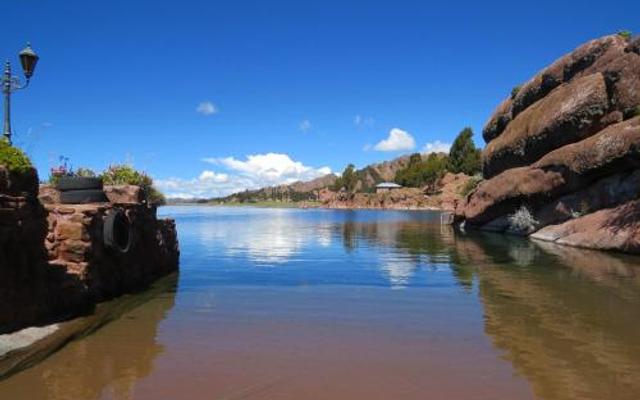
point(28, 59)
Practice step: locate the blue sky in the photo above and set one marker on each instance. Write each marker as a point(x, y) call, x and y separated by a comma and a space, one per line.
point(189, 90)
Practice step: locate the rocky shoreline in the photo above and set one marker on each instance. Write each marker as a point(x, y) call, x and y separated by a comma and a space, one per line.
point(562, 161)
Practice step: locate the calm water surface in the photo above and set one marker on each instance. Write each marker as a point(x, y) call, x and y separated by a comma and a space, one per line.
point(319, 304)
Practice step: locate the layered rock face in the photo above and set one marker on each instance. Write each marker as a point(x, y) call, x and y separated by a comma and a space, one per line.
point(30, 289)
point(565, 146)
point(54, 263)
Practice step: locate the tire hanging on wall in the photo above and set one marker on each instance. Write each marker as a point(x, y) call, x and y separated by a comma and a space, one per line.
point(117, 232)
point(83, 196)
point(79, 183)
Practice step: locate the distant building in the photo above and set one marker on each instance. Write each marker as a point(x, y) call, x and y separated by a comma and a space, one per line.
point(387, 187)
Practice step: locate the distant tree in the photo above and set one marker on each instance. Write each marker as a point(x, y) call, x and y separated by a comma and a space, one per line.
point(433, 169)
point(408, 176)
point(415, 159)
point(347, 180)
point(419, 173)
point(464, 157)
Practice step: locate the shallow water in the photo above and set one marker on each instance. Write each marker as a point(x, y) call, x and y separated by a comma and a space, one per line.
point(320, 304)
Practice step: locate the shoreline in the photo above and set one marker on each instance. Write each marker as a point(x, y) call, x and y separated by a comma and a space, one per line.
point(302, 206)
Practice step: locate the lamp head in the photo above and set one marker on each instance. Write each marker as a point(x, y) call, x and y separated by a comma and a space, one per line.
point(28, 59)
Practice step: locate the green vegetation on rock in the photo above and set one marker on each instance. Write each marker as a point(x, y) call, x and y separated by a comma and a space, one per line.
point(625, 34)
point(464, 157)
point(127, 175)
point(13, 158)
point(471, 185)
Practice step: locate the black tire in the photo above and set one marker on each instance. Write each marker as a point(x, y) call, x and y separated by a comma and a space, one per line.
point(117, 232)
point(79, 183)
point(83, 197)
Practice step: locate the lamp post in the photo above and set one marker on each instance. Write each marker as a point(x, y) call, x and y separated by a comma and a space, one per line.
point(28, 59)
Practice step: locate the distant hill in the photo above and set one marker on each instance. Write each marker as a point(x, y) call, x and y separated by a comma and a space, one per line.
point(297, 191)
point(368, 178)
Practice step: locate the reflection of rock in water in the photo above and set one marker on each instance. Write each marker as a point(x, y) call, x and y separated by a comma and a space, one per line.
point(572, 332)
point(108, 362)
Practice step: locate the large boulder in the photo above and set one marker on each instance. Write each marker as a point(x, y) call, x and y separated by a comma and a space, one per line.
point(582, 61)
point(562, 161)
point(564, 69)
point(570, 113)
point(498, 121)
point(562, 171)
point(616, 228)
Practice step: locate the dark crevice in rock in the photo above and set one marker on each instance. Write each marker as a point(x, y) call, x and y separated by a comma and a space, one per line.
point(610, 80)
point(571, 70)
point(634, 46)
point(579, 127)
point(547, 84)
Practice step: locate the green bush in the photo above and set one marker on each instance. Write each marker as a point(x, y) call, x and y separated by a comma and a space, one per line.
point(85, 172)
point(13, 158)
point(625, 34)
point(127, 175)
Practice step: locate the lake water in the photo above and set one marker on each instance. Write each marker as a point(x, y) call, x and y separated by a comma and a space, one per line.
point(321, 304)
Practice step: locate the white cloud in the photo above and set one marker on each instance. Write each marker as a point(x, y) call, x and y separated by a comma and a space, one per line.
point(206, 108)
point(212, 176)
point(305, 126)
point(256, 171)
point(397, 140)
point(436, 147)
point(271, 168)
point(364, 122)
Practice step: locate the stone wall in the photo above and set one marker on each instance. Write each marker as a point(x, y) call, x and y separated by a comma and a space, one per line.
point(53, 261)
point(75, 243)
point(564, 146)
point(30, 289)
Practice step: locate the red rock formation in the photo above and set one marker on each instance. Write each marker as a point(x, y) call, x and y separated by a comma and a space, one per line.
point(564, 146)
